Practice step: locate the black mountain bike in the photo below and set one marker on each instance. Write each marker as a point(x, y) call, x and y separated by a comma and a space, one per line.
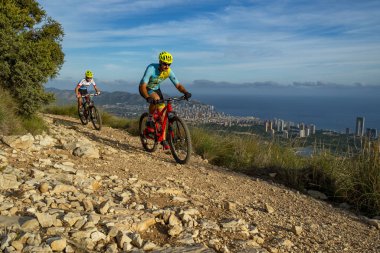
point(89, 112)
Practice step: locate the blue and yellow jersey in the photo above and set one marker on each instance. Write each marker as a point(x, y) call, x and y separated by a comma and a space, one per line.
point(153, 77)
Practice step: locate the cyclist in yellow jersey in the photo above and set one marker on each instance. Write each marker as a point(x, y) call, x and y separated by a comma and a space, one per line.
point(150, 90)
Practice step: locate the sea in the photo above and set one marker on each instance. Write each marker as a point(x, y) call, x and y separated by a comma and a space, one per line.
point(328, 111)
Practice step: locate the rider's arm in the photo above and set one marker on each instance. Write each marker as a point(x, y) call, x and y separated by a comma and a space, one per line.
point(95, 87)
point(77, 89)
point(176, 83)
point(181, 88)
point(147, 75)
point(145, 80)
point(143, 90)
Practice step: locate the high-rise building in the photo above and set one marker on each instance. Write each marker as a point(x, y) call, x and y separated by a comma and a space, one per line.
point(359, 126)
point(347, 130)
point(371, 133)
point(312, 129)
point(268, 126)
point(282, 125)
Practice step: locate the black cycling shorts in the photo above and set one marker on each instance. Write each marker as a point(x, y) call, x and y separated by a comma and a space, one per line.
point(83, 92)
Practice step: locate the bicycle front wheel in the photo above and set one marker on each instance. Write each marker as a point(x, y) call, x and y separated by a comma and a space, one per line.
point(179, 140)
point(83, 115)
point(148, 140)
point(96, 119)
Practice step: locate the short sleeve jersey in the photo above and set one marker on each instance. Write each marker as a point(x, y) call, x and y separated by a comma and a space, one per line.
point(153, 77)
point(84, 84)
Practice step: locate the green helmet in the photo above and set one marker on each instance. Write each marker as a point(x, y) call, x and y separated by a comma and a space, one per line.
point(89, 74)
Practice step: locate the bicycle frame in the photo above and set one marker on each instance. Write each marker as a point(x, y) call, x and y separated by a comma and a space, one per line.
point(166, 122)
point(161, 119)
point(90, 112)
point(86, 100)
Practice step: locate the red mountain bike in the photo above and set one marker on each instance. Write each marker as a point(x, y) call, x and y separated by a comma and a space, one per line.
point(89, 112)
point(177, 133)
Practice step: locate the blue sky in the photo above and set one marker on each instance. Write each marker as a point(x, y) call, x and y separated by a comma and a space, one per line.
point(235, 42)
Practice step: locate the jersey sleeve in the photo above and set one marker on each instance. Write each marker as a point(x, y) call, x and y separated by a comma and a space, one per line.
point(173, 78)
point(80, 83)
point(148, 73)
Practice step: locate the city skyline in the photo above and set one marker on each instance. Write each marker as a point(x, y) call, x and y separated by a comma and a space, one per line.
point(284, 42)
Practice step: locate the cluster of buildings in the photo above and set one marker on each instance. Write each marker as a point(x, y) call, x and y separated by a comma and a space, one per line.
point(197, 113)
point(288, 129)
point(204, 114)
point(371, 133)
point(200, 113)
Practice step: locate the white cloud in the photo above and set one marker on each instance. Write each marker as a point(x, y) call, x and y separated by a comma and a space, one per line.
point(245, 40)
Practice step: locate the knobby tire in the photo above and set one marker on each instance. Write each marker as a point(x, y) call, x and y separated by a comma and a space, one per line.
point(82, 116)
point(96, 119)
point(179, 140)
point(149, 144)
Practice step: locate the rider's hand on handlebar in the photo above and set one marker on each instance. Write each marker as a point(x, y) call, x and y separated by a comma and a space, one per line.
point(187, 95)
point(97, 93)
point(150, 100)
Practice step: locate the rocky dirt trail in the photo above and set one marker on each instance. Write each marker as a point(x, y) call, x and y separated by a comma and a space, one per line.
point(76, 189)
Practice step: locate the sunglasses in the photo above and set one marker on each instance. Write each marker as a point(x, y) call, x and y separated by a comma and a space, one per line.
point(166, 64)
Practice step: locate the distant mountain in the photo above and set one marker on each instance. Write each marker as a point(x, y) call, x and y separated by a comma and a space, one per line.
point(64, 97)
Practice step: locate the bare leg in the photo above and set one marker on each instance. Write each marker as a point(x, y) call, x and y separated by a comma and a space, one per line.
point(79, 103)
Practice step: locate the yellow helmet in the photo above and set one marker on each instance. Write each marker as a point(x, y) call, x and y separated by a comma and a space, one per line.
point(165, 57)
point(89, 74)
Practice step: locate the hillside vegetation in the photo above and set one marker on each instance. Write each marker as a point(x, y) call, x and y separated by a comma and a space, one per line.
point(13, 123)
point(30, 53)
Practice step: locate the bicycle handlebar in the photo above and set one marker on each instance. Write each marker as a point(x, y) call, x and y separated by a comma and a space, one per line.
point(169, 99)
point(90, 95)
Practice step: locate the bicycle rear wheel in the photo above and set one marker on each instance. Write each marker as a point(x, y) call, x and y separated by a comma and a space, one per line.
point(149, 142)
point(179, 140)
point(95, 118)
point(83, 115)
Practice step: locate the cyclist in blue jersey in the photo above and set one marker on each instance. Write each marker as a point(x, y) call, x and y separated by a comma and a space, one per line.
point(82, 86)
point(150, 90)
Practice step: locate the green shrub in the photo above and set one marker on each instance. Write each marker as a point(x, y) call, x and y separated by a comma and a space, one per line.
point(121, 123)
point(34, 125)
point(359, 182)
point(68, 110)
point(355, 180)
point(31, 53)
point(10, 122)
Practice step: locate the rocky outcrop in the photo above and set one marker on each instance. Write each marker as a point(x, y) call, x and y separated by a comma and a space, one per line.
point(76, 189)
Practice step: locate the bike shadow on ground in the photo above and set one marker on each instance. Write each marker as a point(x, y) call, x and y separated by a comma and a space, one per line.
point(91, 133)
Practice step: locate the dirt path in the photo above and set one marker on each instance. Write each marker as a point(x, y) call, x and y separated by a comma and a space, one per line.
point(287, 221)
